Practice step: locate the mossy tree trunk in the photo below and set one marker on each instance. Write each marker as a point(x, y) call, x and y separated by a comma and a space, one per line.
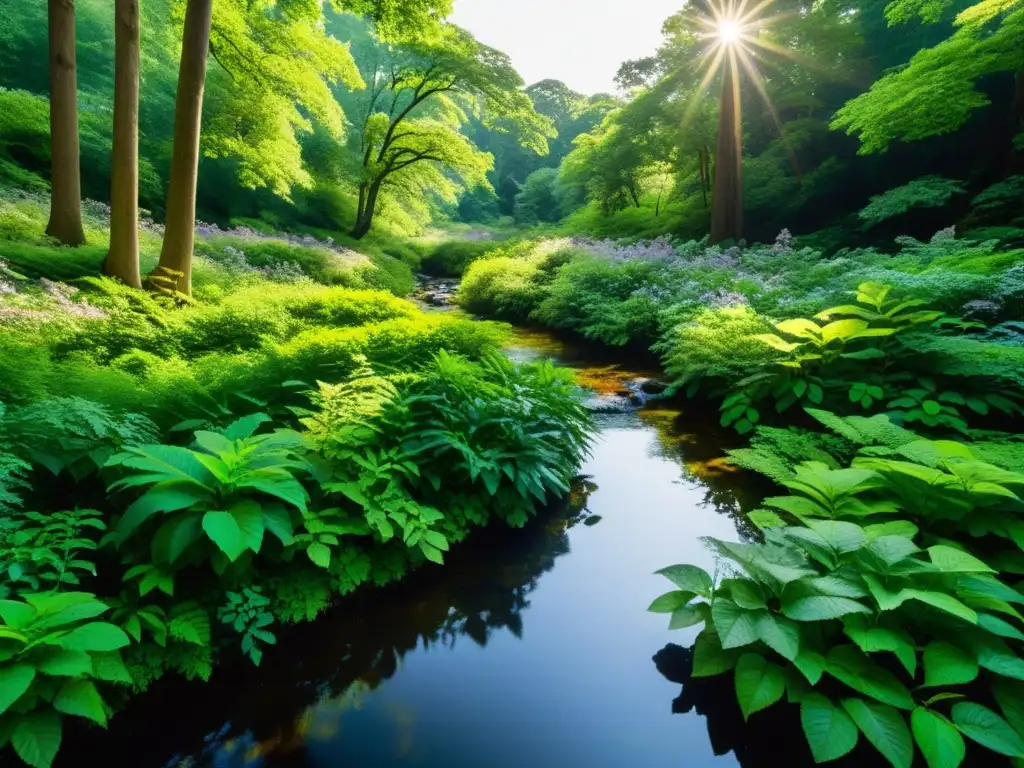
point(174, 271)
point(65, 178)
point(123, 257)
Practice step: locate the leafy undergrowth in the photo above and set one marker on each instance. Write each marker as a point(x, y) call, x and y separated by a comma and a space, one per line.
point(884, 599)
point(177, 481)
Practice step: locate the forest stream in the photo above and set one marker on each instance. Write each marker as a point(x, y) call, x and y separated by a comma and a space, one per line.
point(530, 648)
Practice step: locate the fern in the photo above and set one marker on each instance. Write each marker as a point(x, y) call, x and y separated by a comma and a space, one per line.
point(926, 192)
point(301, 595)
point(862, 431)
point(966, 356)
point(75, 434)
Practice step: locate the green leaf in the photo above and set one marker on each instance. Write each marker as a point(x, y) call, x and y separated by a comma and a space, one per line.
point(1010, 696)
point(744, 592)
point(998, 626)
point(14, 681)
point(15, 614)
point(64, 663)
point(849, 665)
point(830, 732)
point(223, 529)
point(320, 554)
point(871, 639)
point(108, 666)
point(779, 634)
point(245, 426)
point(96, 636)
point(278, 521)
point(160, 498)
point(987, 728)
point(811, 665)
point(952, 560)
point(709, 658)
point(736, 627)
point(36, 737)
point(80, 697)
point(822, 608)
point(759, 683)
point(689, 578)
point(943, 602)
point(885, 728)
point(939, 742)
point(176, 536)
point(688, 615)
point(671, 601)
point(249, 517)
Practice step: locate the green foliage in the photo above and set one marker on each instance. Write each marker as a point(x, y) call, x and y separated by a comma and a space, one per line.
point(247, 613)
point(926, 192)
point(451, 258)
point(47, 551)
point(219, 500)
point(54, 658)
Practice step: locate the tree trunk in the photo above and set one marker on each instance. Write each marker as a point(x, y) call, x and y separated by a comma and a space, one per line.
point(1017, 156)
point(174, 272)
point(123, 257)
point(367, 209)
point(727, 201)
point(65, 177)
point(633, 195)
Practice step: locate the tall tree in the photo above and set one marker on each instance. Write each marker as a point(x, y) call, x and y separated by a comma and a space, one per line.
point(123, 257)
point(174, 272)
point(418, 101)
point(65, 183)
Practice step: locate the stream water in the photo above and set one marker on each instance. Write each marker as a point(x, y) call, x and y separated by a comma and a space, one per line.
point(529, 648)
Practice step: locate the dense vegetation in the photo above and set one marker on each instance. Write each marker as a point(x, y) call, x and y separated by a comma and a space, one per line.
point(219, 414)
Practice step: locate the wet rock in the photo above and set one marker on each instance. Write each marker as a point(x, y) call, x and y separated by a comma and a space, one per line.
point(610, 404)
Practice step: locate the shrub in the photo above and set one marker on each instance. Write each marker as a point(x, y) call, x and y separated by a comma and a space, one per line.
point(451, 258)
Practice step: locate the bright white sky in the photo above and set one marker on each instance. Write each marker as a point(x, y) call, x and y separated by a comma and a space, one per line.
point(580, 42)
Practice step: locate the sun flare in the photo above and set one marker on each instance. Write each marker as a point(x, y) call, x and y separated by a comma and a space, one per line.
point(729, 31)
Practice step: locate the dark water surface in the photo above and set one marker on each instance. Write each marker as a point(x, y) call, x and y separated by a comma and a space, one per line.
point(529, 648)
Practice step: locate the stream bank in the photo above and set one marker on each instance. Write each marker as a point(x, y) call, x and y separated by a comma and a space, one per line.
point(529, 648)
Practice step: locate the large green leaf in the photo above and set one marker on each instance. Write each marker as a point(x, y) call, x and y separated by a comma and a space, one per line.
point(1010, 696)
point(670, 601)
point(245, 426)
point(286, 488)
point(689, 578)
point(16, 614)
point(62, 662)
point(952, 560)
point(943, 602)
point(744, 592)
point(998, 626)
point(14, 681)
point(987, 728)
point(688, 615)
point(811, 665)
point(778, 633)
point(842, 329)
point(709, 658)
point(249, 516)
point(160, 498)
point(736, 627)
point(278, 521)
point(939, 742)
point(822, 608)
point(994, 655)
point(80, 697)
point(223, 529)
point(175, 536)
point(95, 636)
point(885, 728)
point(108, 666)
point(872, 639)
point(849, 665)
point(759, 683)
point(830, 732)
point(36, 737)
